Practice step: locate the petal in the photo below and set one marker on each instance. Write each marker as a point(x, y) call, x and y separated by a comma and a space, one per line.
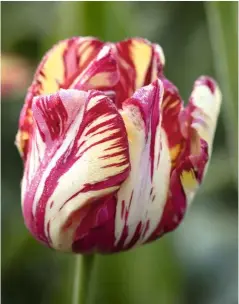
point(202, 112)
point(78, 154)
point(63, 63)
point(102, 73)
point(197, 122)
point(140, 63)
point(141, 198)
point(58, 69)
point(96, 229)
point(198, 125)
point(172, 107)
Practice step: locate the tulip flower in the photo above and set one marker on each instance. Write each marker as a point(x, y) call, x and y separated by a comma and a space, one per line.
point(112, 157)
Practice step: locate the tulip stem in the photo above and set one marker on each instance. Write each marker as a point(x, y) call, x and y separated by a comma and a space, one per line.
point(83, 269)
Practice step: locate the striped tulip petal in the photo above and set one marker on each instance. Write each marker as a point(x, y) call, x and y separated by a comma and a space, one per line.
point(185, 144)
point(197, 124)
point(58, 69)
point(112, 157)
point(202, 111)
point(140, 63)
point(142, 196)
point(102, 73)
point(78, 154)
point(87, 63)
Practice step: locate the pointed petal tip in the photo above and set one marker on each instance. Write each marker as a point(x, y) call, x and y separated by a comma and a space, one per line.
point(211, 84)
point(208, 81)
point(206, 89)
point(157, 48)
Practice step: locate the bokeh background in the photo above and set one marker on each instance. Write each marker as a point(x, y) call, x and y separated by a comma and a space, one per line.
point(198, 262)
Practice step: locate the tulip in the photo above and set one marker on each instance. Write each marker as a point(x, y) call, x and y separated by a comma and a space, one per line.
point(112, 157)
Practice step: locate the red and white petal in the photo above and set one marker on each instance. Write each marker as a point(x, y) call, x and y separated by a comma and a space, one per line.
point(191, 130)
point(102, 74)
point(178, 196)
point(58, 69)
point(142, 196)
point(172, 106)
point(63, 63)
point(202, 112)
point(79, 153)
point(198, 125)
point(140, 63)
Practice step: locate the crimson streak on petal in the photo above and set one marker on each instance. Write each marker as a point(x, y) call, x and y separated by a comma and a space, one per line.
point(71, 153)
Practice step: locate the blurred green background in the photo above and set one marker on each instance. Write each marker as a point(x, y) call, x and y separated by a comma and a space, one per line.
point(198, 262)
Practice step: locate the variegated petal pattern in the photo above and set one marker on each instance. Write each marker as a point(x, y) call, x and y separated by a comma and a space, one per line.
point(164, 180)
point(196, 124)
point(142, 197)
point(112, 157)
point(140, 63)
point(78, 154)
point(64, 67)
point(87, 63)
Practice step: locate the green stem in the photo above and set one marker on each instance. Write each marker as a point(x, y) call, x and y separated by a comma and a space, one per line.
point(83, 269)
